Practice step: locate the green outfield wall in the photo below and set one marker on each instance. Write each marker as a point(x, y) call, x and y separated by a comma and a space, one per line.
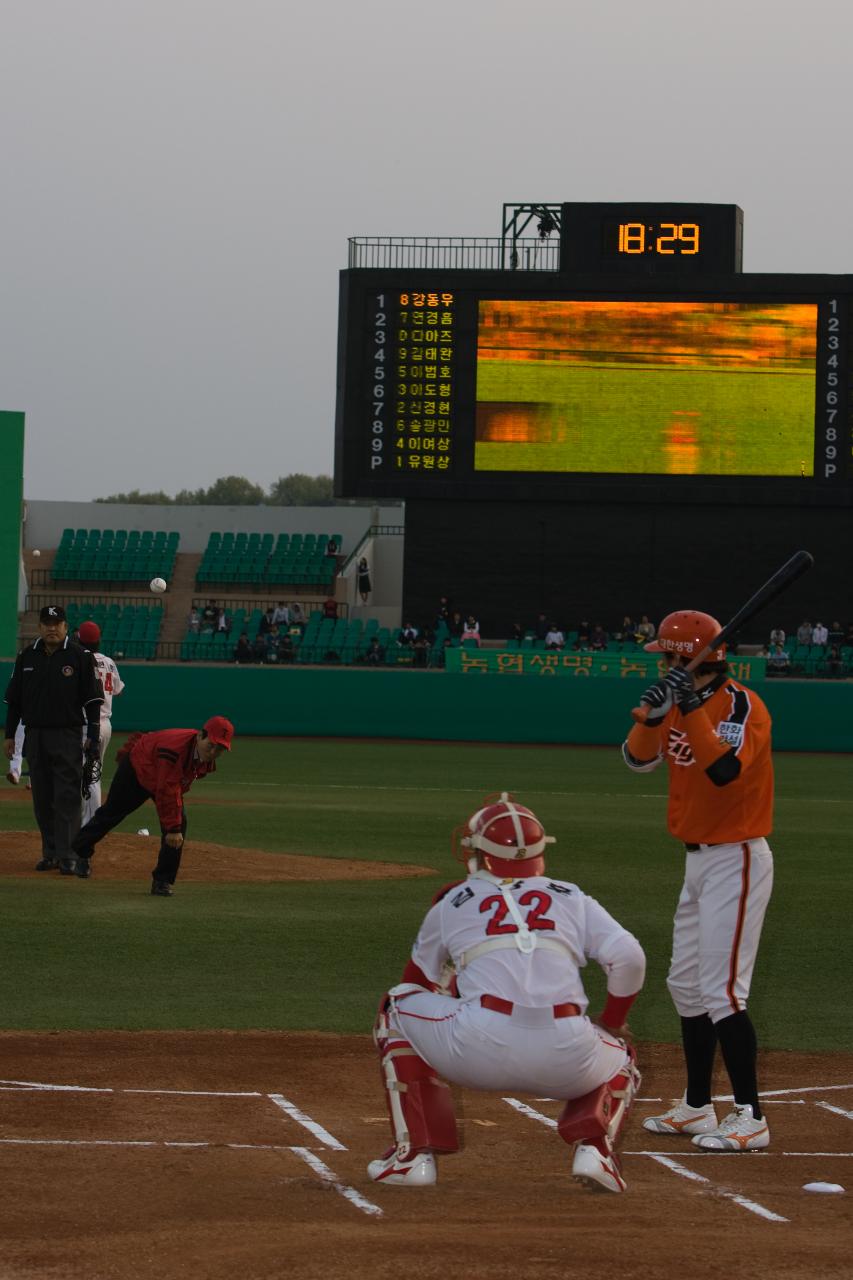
point(11, 506)
point(342, 702)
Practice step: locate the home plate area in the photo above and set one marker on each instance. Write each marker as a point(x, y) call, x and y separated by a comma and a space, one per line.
point(210, 1154)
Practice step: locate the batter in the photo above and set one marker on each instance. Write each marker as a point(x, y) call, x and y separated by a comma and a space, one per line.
point(492, 998)
point(714, 735)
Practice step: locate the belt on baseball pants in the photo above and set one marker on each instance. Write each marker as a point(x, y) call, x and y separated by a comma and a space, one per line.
point(497, 1005)
point(694, 848)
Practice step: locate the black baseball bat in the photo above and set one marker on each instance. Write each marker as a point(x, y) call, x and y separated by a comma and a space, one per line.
point(792, 569)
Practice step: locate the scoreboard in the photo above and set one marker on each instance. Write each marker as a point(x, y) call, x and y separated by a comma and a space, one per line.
point(648, 367)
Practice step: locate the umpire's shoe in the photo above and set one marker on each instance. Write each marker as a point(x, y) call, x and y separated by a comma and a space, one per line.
point(161, 889)
point(83, 869)
point(47, 864)
point(68, 866)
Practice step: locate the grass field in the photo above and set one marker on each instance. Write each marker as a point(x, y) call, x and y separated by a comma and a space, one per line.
point(103, 954)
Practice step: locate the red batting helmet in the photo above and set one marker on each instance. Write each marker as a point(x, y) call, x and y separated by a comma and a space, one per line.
point(506, 838)
point(686, 633)
point(89, 633)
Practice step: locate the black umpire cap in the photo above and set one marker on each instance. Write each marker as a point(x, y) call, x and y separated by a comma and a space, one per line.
point(52, 613)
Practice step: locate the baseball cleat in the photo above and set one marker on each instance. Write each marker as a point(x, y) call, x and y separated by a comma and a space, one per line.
point(13, 776)
point(683, 1119)
point(84, 868)
point(68, 866)
point(597, 1171)
point(161, 889)
point(47, 864)
point(738, 1132)
point(417, 1171)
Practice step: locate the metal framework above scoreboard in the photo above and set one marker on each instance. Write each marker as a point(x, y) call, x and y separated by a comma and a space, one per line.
point(644, 365)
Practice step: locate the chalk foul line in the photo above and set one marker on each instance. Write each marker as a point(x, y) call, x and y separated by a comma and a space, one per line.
point(723, 1192)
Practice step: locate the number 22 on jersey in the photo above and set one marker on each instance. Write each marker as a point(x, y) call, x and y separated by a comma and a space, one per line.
point(538, 901)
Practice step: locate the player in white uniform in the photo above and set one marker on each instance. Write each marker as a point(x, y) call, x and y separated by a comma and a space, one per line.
point(492, 999)
point(16, 761)
point(107, 672)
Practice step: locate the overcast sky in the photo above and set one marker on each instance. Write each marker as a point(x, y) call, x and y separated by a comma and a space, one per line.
point(180, 177)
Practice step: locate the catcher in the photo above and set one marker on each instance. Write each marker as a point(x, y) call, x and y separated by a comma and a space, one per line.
point(514, 1014)
point(162, 767)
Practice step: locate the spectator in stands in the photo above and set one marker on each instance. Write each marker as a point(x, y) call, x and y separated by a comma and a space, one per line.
point(554, 638)
point(243, 650)
point(375, 654)
point(445, 612)
point(408, 635)
point(645, 630)
point(836, 634)
point(541, 626)
point(804, 632)
point(286, 648)
point(779, 662)
point(820, 634)
point(516, 634)
point(584, 630)
point(626, 630)
point(194, 621)
point(835, 664)
point(420, 650)
point(273, 641)
point(224, 622)
point(297, 615)
point(777, 636)
point(259, 648)
point(281, 615)
point(764, 651)
point(266, 622)
point(332, 547)
point(209, 617)
point(598, 637)
point(363, 579)
point(330, 608)
point(456, 626)
point(471, 630)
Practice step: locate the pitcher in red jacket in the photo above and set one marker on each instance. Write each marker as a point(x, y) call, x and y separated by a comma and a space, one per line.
point(159, 766)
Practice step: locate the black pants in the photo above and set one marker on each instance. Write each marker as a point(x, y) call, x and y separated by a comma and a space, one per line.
point(126, 793)
point(55, 758)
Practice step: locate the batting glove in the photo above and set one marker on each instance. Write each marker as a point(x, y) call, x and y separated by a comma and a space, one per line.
point(659, 699)
point(681, 684)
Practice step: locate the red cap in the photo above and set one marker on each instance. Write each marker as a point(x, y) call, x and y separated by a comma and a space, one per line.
point(220, 731)
point(89, 633)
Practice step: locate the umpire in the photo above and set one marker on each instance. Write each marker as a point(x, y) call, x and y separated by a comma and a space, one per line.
point(54, 689)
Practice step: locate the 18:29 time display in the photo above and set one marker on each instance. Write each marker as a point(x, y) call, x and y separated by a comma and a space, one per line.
point(664, 238)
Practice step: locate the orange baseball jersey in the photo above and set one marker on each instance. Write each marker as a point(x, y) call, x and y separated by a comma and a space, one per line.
point(731, 718)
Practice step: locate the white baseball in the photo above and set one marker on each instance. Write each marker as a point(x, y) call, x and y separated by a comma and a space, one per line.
point(36, 553)
point(157, 585)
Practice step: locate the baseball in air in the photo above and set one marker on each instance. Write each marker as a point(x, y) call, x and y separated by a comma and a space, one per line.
point(36, 553)
point(157, 585)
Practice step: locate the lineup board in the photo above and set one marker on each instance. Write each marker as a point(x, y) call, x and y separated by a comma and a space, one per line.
point(637, 379)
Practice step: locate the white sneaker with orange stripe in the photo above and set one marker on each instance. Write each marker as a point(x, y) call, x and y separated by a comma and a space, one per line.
point(740, 1131)
point(683, 1119)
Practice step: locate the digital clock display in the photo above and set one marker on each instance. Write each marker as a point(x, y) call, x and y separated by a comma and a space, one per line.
point(667, 239)
point(652, 239)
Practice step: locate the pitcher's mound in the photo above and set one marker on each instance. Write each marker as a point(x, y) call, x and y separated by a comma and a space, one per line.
point(124, 857)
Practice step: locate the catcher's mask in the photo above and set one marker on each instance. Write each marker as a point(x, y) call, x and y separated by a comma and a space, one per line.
point(686, 633)
point(505, 838)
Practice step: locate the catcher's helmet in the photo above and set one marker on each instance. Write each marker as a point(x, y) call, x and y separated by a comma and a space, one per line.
point(686, 633)
point(506, 838)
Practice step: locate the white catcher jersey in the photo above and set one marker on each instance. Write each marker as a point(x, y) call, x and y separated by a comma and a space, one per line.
point(474, 928)
point(107, 673)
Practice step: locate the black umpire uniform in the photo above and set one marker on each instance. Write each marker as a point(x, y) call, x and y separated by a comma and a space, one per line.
point(55, 690)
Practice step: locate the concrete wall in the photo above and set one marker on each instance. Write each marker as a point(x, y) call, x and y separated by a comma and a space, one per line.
point(44, 521)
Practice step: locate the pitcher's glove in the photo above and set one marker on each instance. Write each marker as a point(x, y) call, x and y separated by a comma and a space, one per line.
point(91, 772)
point(681, 684)
point(659, 699)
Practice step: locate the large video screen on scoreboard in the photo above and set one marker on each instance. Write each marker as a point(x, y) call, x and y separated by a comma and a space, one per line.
point(469, 384)
point(661, 387)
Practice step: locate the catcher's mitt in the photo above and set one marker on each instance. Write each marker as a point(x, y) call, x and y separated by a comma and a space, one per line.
point(91, 772)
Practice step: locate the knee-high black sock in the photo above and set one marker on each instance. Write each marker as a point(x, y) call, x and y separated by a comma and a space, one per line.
point(699, 1039)
point(740, 1048)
